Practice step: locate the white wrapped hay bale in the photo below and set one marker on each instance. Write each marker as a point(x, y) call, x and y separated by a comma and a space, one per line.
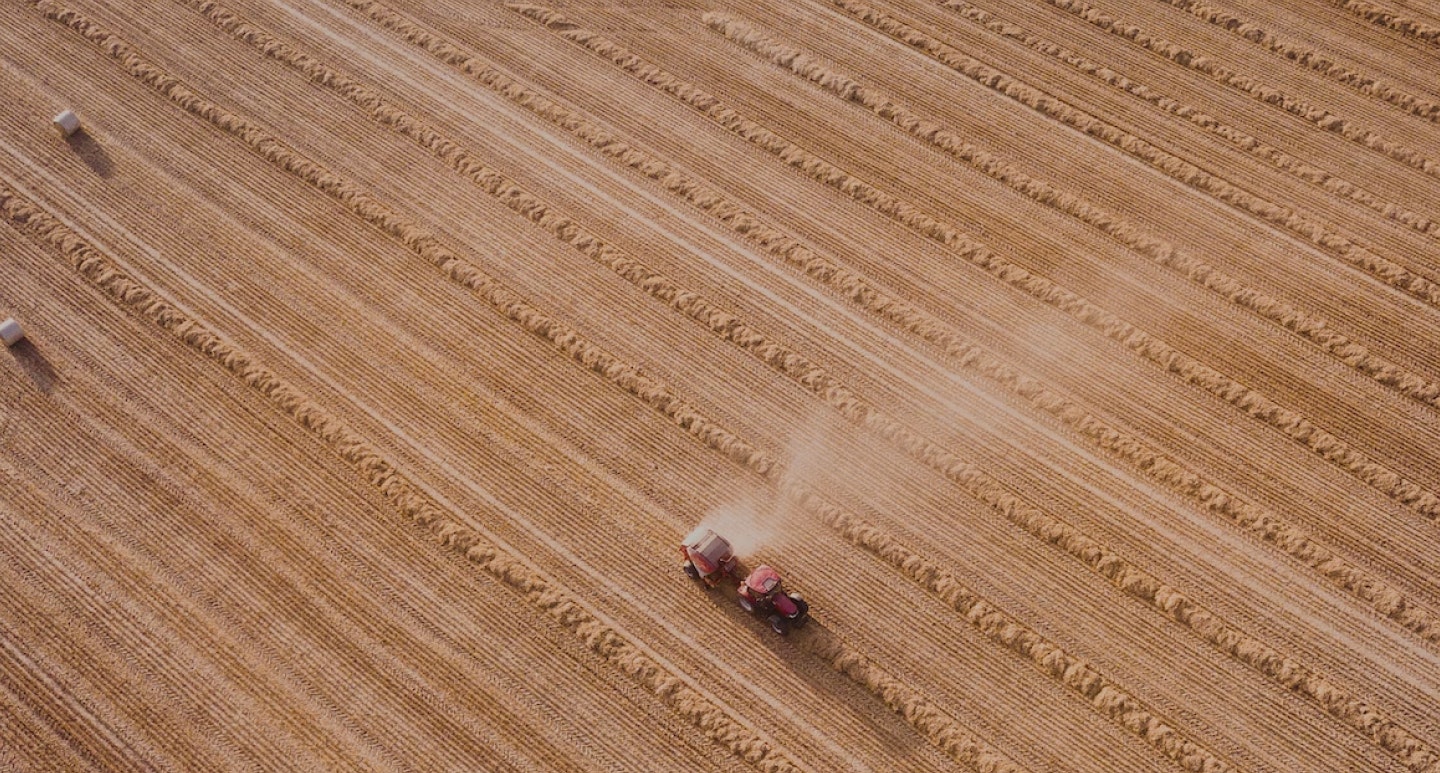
point(67, 123)
point(10, 332)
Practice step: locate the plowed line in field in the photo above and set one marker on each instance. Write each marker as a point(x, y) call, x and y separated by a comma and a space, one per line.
point(1308, 228)
point(420, 506)
point(1384, 17)
point(1250, 86)
point(1311, 59)
point(417, 505)
point(1270, 154)
point(862, 293)
point(931, 721)
point(557, 335)
point(779, 357)
point(938, 728)
point(1282, 669)
point(1310, 327)
point(78, 727)
point(193, 633)
point(1290, 423)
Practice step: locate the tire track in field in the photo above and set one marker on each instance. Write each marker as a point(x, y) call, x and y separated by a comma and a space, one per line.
point(1150, 461)
point(1115, 703)
point(926, 718)
point(1320, 178)
point(1299, 224)
point(930, 720)
point(1311, 59)
point(1282, 669)
point(399, 434)
point(1250, 86)
point(145, 663)
point(559, 603)
point(199, 636)
point(88, 736)
point(441, 527)
point(1290, 423)
point(73, 723)
point(1381, 16)
point(796, 367)
point(1310, 327)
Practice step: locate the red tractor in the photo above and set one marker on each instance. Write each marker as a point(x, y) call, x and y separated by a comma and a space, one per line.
point(761, 594)
point(707, 557)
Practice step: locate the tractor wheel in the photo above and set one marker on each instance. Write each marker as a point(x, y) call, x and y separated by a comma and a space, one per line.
point(802, 612)
point(779, 624)
point(745, 604)
point(691, 571)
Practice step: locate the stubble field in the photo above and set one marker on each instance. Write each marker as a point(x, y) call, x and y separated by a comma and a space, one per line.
point(1079, 363)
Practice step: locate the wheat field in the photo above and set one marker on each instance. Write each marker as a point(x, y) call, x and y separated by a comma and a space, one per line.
point(1079, 363)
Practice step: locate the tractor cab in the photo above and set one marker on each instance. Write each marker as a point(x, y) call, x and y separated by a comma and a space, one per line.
point(762, 594)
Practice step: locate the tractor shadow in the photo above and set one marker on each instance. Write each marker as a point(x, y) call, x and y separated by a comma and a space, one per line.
point(33, 362)
point(799, 649)
point(92, 153)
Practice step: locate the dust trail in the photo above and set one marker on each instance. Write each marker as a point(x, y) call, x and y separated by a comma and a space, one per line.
point(1308, 326)
point(863, 293)
point(1311, 59)
point(1129, 578)
point(749, 525)
point(440, 526)
point(1292, 424)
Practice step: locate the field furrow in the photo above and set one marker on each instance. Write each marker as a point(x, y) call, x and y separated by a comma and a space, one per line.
point(378, 353)
point(1297, 427)
point(1081, 419)
point(1310, 58)
point(1345, 707)
point(1306, 227)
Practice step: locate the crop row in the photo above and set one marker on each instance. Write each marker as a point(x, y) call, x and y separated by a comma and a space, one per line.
point(1310, 59)
point(1308, 326)
point(1129, 578)
point(1250, 86)
point(1381, 16)
point(423, 244)
point(1306, 227)
point(929, 719)
point(875, 300)
point(443, 527)
point(1327, 181)
point(718, 723)
point(798, 368)
point(1292, 424)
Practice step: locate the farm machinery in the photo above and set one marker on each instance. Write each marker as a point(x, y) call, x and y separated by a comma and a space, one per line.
point(762, 595)
point(708, 557)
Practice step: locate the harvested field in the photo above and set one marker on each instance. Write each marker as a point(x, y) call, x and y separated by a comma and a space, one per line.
point(1079, 363)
